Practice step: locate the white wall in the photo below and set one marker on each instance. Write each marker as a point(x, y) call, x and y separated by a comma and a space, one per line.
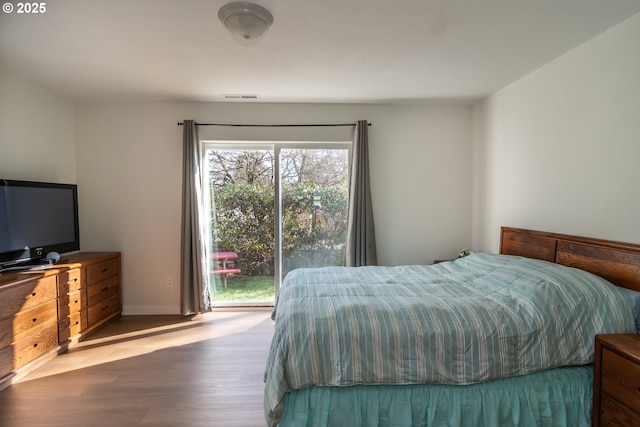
point(129, 169)
point(559, 150)
point(37, 132)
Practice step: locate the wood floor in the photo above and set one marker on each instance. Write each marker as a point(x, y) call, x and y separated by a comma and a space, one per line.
point(151, 371)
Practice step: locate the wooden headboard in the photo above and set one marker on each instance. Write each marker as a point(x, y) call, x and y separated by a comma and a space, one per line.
point(617, 262)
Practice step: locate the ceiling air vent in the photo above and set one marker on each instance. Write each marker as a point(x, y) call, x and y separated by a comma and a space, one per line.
point(241, 97)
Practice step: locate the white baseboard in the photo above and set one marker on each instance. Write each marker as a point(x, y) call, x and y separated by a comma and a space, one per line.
point(147, 310)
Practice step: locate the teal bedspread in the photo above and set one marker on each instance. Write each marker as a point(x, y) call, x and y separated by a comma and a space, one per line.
point(480, 318)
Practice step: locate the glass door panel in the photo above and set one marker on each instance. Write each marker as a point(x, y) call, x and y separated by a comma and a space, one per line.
point(241, 184)
point(314, 187)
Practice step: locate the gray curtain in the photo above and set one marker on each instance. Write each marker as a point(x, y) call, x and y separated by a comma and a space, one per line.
point(361, 238)
point(195, 293)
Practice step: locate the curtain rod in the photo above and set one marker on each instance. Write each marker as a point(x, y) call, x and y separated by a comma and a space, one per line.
point(274, 126)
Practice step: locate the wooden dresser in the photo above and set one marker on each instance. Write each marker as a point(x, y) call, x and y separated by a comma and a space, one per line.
point(616, 387)
point(43, 312)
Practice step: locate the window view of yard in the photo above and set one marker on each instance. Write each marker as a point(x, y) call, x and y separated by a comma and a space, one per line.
point(312, 210)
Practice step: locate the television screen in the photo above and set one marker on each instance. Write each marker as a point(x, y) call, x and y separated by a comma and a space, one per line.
point(37, 218)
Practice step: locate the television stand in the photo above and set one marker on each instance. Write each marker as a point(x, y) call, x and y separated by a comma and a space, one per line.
point(46, 311)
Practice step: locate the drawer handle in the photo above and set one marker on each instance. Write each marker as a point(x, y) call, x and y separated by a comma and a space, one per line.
point(104, 270)
point(105, 289)
point(33, 294)
point(75, 302)
point(35, 345)
point(34, 319)
point(105, 307)
point(72, 281)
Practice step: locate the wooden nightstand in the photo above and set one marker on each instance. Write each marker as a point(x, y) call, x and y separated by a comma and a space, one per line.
point(616, 386)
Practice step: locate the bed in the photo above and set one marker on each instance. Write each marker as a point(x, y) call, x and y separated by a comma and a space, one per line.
point(487, 340)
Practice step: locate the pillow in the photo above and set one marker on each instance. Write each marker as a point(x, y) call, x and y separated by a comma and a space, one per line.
point(634, 297)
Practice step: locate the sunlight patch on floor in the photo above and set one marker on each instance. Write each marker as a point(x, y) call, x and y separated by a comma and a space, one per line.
point(106, 347)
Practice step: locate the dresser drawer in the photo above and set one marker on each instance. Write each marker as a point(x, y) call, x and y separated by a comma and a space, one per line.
point(615, 414)
point(103, 309)
point(26, 295)
point(36, 344)
point(71, 303)
point(6, 333)
point(29, 348)
point(103, 270)
point(99, 291)
point(621, 379)
point(6, 361)
point(72, 325)
point(26, 321)
point(69, 281)
point(77, 322)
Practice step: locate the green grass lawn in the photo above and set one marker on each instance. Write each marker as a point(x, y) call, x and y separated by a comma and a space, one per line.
point(244, 288)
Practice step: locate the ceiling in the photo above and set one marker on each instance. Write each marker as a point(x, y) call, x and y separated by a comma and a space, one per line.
point(355, 51)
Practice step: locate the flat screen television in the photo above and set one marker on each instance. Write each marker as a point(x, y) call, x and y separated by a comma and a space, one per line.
point(36, 218)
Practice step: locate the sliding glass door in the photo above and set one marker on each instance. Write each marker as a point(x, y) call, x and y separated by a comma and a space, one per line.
point(273, 207)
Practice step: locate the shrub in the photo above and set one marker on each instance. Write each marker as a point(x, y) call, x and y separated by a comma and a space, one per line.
point(314, 225)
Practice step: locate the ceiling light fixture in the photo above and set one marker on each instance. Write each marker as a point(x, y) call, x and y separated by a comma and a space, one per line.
point(246, 21)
